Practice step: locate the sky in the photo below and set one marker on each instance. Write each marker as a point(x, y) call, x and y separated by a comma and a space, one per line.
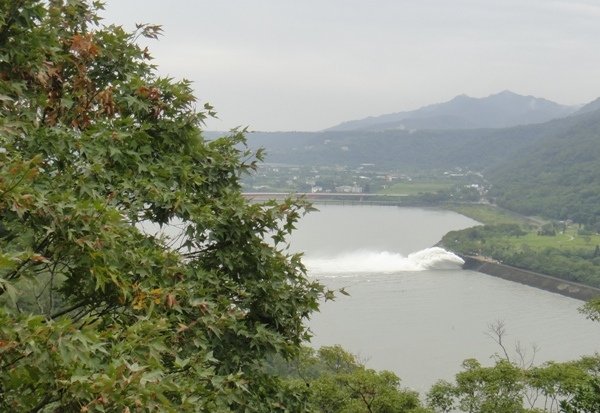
point(306, 65)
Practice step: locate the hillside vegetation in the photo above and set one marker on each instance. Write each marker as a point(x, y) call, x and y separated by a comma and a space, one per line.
point(559, 177)
point(560, 252)
point(399, 149)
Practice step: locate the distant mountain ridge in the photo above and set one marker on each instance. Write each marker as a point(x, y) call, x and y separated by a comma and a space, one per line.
point(593, 106)
point(476, 149)
point(501, 110)
point(550, 169)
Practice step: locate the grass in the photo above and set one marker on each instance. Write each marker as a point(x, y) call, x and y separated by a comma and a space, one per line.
point(489, 214)
point(569, 240)
point(492, 215)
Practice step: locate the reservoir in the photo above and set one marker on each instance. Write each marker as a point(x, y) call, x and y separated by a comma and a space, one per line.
point(412, 309)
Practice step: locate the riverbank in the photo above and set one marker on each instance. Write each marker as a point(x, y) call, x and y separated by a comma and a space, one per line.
point(553, 256)
point(533, 279)
point(488, 215)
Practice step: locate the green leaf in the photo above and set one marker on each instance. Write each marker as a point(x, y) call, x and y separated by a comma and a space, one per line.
point(6, 287)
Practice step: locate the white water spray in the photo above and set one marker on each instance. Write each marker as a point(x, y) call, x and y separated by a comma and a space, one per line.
point(383, 262)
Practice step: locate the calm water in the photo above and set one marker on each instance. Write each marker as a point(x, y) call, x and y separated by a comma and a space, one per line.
point(412, 309)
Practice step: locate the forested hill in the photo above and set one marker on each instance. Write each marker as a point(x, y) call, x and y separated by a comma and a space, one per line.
point(558, 177)
point(393, 149)
point(590, 107)
point(481, 149)
point(500, 110)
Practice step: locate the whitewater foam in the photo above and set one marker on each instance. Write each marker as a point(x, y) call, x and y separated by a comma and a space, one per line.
point(383, 262)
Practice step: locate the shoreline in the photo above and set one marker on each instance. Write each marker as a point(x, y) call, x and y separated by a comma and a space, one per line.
point(495, 268)
point(533, 279)
point(485, 265)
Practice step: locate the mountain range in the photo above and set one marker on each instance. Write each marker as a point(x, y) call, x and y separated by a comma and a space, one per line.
point(500, 110)
point(551, 168)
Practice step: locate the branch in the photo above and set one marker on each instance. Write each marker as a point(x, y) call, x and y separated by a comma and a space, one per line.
point(522, 353)
point(97, 316)
point(43, 244)
point(496, 332)
point(362, 396)
point(69, 309)
point(45, 401)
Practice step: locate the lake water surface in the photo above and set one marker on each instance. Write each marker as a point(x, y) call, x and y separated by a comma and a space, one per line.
point(412, 309)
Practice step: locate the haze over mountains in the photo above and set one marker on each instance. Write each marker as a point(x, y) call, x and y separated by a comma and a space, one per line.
point(407, 148)
point(500, 110)
point(550, 168)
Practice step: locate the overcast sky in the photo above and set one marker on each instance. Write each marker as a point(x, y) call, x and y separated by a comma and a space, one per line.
point(310, 64)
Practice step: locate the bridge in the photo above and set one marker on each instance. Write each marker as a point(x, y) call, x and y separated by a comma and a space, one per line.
point(329, 197)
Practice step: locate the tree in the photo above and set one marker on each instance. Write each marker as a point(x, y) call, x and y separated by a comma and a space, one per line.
point(514, 384)
point(489, 389)
point(585, 394)
point(97, 314)
point(585, 399)
point(335, 381)
point(506, 387)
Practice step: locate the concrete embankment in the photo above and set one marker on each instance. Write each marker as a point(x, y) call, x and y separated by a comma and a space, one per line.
point(545, 282)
